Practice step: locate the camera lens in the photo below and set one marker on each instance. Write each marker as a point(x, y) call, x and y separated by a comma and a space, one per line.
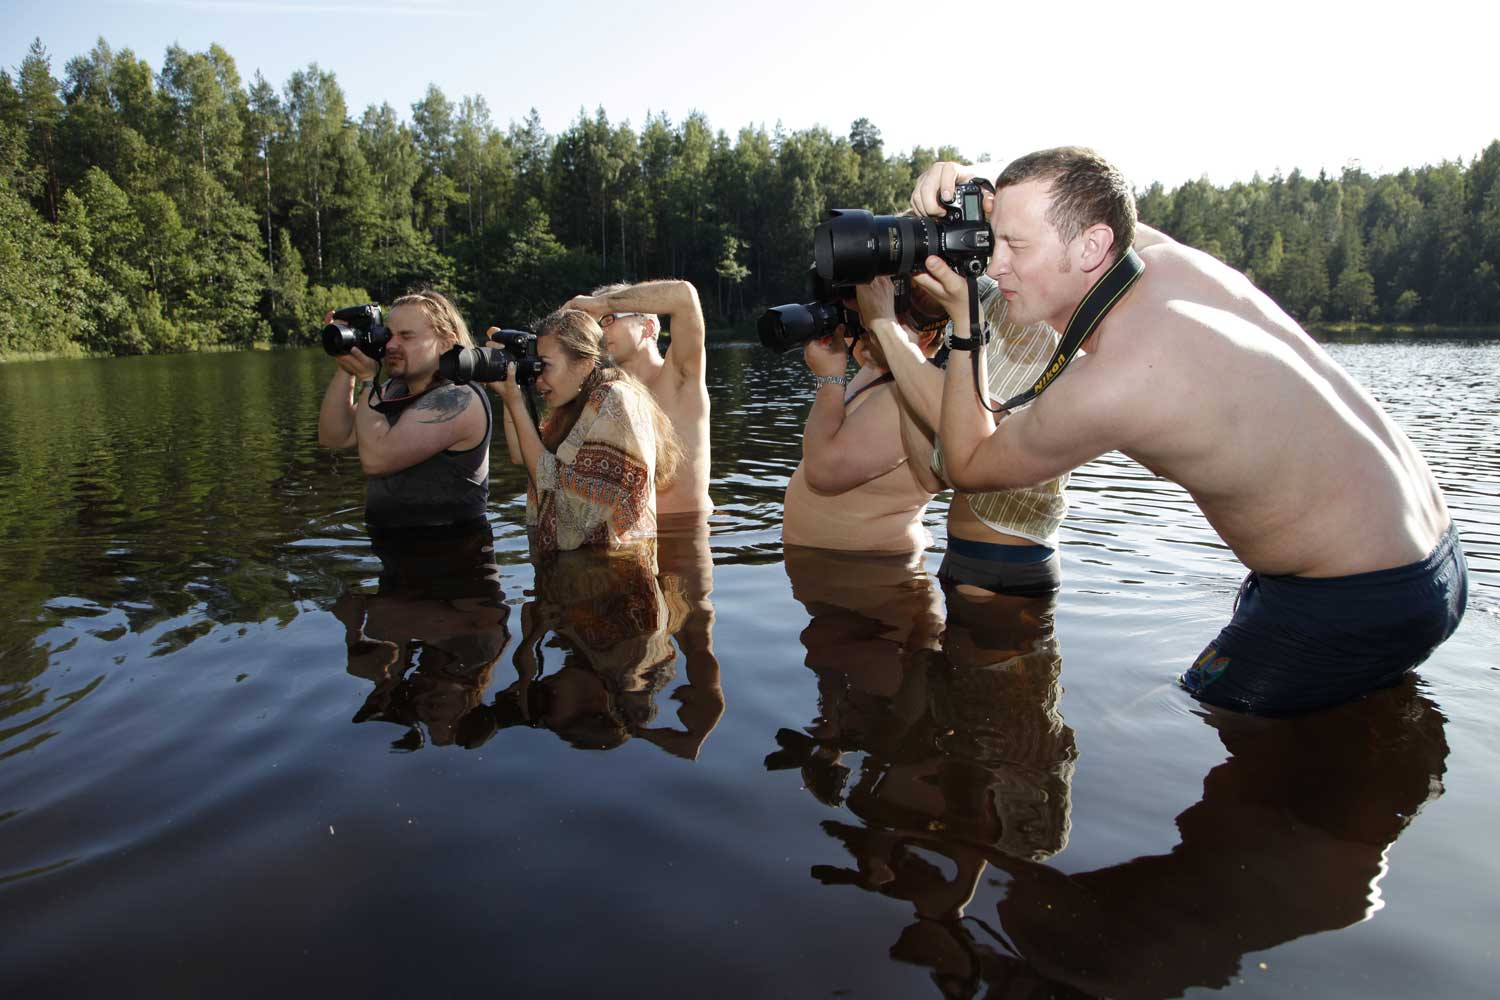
point(461, 365)
point(339, 338)
point(854, 246)
point(783, 328)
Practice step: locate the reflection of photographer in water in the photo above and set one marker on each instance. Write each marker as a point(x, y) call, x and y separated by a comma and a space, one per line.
point(604, 448)
point(965, 754)
point(428, 641)
point(1291, 837)
point(854, 488)
point(613, 620)
point(423, 442)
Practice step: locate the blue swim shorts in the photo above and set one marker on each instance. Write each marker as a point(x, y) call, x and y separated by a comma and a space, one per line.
point(1018, 570)
point(1300, 643)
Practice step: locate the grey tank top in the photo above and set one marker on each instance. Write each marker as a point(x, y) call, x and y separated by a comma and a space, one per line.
point(451, 487)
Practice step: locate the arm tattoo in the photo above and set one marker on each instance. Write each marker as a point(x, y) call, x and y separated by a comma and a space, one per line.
point(445, 404)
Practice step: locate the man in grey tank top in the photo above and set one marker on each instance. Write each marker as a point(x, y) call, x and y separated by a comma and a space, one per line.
point(423, 442)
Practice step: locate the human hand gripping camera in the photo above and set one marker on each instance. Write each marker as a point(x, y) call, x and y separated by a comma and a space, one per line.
point(914, 279)
point(598, 417)
point(423, 441)
point(1355, 568)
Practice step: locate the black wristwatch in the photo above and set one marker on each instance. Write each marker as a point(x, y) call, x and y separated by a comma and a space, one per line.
point(967, 343)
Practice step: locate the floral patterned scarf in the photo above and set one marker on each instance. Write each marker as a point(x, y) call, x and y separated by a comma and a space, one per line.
point(599, 487)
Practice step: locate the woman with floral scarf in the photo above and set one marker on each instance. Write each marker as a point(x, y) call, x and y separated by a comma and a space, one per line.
point(604, 448)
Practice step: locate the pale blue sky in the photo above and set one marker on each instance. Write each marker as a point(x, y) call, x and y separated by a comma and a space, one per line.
point(1171, 91)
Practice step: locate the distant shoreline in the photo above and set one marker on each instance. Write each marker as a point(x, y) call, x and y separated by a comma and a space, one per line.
point(1400, 331)
point(745, 333)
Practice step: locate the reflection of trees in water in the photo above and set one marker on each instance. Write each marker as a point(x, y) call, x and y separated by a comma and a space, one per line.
point(165, 496)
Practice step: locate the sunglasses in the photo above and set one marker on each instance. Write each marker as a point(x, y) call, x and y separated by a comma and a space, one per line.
point(608, 319)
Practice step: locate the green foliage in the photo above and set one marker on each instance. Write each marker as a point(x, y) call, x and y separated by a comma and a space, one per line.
point(319, 302)
point(177, 210)
point(522, 273)
point(44, 285)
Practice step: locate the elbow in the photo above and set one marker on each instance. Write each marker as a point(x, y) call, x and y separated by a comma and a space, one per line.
point(964, 478)
point(681, 299)
point(374, 465)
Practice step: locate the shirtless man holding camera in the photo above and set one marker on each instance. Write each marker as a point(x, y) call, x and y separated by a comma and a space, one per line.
point(1356, 572)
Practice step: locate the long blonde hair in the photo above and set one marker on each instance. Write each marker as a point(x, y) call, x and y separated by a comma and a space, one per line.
point(579, 336)
point(441, 313)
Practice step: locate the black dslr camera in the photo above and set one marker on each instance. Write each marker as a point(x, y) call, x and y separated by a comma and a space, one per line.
point(356, 326)
point(461, 365)
point(784, 327)
point(854, 246)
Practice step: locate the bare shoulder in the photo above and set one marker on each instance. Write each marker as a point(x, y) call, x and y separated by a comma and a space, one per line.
point(1171, 257)
point(1177, 271)
point(445, 403)
point(876, 405)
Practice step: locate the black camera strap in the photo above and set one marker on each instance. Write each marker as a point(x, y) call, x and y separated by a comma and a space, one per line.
point(1122, 274)
point(979, 333)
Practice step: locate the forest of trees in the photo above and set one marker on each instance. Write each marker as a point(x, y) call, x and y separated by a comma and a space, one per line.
point(179, 209)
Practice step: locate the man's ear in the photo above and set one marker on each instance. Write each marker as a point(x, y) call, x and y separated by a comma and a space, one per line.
point(1098, 241)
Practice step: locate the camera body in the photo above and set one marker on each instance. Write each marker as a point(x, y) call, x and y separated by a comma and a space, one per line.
point(356, 326)
point(461, 365)
point(854, 246)
point(785, 327)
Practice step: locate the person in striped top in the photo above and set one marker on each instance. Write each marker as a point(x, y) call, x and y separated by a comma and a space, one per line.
point(1000, 542)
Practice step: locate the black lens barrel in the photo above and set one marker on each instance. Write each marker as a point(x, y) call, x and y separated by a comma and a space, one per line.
point(461, 365)
point(339, 338)
point(854, 246)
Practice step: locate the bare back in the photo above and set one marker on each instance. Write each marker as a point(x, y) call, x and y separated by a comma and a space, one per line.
point(682, 394)
point(883, 514)
point(1210, 384)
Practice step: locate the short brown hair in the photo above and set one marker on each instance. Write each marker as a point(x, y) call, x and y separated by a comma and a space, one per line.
point(1086, 189)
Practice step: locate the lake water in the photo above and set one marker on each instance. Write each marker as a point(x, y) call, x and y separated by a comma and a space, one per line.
point(238, 752)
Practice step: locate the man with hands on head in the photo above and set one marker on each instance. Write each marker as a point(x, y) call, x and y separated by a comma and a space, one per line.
point(1356, 572)
point(628, 315)
point(999, 542)
point(854, 489)
point(423, 442)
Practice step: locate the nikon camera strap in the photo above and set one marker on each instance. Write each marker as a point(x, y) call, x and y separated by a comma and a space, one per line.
point(1100, 299)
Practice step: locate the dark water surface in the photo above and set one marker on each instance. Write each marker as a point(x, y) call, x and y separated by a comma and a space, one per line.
point(236, 755)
